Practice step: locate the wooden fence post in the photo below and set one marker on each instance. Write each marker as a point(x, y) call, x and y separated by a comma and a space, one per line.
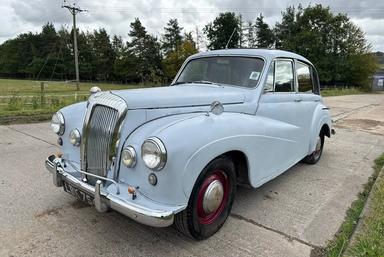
point(42, 94)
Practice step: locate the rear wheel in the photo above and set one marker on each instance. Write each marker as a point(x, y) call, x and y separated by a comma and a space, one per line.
point(210, 202)
point(315, 156)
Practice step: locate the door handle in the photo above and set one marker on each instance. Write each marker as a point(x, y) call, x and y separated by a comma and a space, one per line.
point(298, 100)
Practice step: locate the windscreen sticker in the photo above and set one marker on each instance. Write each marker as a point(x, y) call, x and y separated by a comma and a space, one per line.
point(254, 75)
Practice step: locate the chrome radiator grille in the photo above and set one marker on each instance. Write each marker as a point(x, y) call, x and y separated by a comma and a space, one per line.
point(101, 131)
point(100, 135)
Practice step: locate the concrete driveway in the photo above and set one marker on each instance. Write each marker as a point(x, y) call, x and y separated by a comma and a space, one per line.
point(292, 215)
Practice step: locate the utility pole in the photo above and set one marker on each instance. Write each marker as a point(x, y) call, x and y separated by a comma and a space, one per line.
point(74, 10)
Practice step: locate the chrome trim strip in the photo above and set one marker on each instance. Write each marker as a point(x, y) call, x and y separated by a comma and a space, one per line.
point(151, 217)
point(96, 176)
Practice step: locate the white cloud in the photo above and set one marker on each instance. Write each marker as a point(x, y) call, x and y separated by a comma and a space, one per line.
point(29, 15)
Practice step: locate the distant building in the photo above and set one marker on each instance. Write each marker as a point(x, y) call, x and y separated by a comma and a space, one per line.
point(378, 81)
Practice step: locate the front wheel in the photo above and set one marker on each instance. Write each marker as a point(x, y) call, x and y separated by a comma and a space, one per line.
point(315, 156)
point(210, 202)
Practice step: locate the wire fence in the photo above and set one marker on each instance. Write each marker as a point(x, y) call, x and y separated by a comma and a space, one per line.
point(44, 99)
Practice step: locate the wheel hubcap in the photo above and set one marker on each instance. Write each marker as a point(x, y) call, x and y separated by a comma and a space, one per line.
point(213, 196)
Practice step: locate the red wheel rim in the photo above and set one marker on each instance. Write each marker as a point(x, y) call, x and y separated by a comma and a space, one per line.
point(208, 218)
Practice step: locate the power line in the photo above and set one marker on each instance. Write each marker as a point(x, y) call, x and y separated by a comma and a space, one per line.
point(221, 9)
point(74, 10)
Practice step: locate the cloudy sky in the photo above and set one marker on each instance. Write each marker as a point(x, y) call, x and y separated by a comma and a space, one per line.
point(28, 15)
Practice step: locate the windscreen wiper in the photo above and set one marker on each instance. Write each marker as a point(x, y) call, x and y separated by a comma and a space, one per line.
point(204, 82)
point(182, 82)
point(196, 81)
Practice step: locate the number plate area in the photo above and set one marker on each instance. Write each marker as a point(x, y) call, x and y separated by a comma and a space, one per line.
point(78, 193)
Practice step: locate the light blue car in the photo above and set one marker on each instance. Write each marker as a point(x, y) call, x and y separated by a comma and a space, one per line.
point(175, 154)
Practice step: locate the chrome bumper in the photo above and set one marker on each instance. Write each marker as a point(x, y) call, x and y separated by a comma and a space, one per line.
point(103, 200)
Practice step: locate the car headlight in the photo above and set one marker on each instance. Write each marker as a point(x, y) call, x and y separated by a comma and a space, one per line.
point(58, 124)
point(75, 137)
point(153, 153)
point(128, 156)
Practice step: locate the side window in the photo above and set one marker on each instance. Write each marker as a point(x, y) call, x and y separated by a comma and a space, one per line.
point(284, 76)
point(304, 78)
point(269, 84)
point(316, 82)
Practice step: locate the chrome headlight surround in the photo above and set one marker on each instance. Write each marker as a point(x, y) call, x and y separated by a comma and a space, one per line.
point(58, 123)
point(75, 137)
point(128, 156)
point(154, 154)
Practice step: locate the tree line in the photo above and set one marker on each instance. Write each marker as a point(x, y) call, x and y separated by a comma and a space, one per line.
point(335, 45)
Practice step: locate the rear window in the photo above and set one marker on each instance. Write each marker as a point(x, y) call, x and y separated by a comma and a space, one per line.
point(304, 78)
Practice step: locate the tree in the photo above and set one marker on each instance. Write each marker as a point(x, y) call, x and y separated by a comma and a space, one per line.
point(172, 37)
point(146, 51)
point(188, 37)
point(87, 56)
point(241, 28)
point(103, 54)
point(285, 29)
point(264, 35)
point(173, 62)
point(332, 42)
point(251, 37)
point(219, 32)
point(17, 54)
point(64, 66)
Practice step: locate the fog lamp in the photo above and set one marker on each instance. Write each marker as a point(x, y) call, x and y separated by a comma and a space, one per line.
point(75, 137)
point(128, 156)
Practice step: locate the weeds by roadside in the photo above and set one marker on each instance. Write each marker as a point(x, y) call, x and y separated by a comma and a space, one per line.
point(338, 245)
point(369, 241)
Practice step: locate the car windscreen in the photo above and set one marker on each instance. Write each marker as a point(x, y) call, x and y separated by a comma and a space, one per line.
point(226, 70)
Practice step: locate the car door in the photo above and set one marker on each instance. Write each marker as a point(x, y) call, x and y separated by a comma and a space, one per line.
point(308, 94)
point(282, 107)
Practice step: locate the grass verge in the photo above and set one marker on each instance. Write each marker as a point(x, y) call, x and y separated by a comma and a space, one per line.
point(369, 240)
point(338, 245)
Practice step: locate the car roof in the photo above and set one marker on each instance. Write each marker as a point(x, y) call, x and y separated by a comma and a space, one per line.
point(268, 54)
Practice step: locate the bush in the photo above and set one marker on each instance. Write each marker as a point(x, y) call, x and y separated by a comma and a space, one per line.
point(35, 102)
point(15, 102)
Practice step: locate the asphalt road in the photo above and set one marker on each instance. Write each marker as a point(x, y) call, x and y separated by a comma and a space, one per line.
point(292, 215)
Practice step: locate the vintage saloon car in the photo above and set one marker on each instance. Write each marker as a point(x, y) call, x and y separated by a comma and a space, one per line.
point(175, 154)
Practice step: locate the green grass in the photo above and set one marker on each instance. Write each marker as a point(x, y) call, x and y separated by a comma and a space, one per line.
point(21, 99)
point(370, 239)
point(337, 246)
point(341, 91)
point(30, 87)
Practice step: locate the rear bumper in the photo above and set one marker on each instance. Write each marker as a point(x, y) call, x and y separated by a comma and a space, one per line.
point(103, 200)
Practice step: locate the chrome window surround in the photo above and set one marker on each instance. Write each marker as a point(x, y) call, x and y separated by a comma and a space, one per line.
point(109, 100)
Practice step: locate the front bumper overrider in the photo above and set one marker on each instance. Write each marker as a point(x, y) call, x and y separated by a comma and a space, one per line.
point(103, 200)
